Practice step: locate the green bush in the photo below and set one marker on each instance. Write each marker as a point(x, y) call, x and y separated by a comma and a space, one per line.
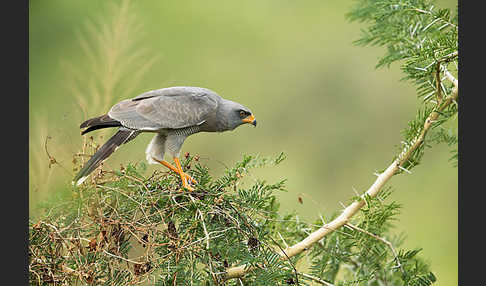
point(125, 228)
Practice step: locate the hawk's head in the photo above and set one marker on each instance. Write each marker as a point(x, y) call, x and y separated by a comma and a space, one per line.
point(237, 114)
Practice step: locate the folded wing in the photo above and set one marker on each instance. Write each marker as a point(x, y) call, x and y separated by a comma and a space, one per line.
point(176, 108)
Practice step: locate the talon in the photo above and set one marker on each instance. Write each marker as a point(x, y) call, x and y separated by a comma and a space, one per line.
point(186, 185)
point(189, 178)
point(189, 188)
point(185, 178)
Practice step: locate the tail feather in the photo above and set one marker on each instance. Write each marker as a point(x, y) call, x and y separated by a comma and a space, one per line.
point(122, 136)
point(103, 121)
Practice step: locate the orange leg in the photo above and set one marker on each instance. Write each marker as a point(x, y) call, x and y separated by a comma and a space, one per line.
point(183, 175)
point(168, 165)
point(178, 170)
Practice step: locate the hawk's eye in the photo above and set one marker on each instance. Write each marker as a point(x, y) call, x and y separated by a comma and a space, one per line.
point(242, 113)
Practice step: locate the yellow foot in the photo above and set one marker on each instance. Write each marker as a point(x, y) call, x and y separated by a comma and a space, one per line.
point(189, 188)
point(184, 177)
point(189, 178)
point(185, 184)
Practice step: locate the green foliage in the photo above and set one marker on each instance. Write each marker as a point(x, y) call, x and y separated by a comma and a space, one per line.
point(424, 40)
point(358, 257)
point(125, 227)
point(411, 30)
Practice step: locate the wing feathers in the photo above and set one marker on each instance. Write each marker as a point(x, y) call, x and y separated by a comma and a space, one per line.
point(157, 110)
point(121, 137)
point(103, 121)
point(100, 120)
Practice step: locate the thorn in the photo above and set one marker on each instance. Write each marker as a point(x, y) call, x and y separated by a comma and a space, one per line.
point(356, 192)
point(403, 169)
point(323, 221)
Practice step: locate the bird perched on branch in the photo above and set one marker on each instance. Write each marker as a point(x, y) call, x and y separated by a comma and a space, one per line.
point(173, 114)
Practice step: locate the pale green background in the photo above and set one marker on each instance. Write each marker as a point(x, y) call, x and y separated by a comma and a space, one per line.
point(316, 96)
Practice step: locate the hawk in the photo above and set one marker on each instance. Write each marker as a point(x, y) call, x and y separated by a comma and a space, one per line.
point(173, 114)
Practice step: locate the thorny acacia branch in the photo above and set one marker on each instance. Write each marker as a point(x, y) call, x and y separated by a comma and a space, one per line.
point(373, 191)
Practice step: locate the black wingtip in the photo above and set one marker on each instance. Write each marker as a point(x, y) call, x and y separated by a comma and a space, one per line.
point(103, 121)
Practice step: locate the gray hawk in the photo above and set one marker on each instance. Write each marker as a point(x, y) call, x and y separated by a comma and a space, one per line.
point(173, 114)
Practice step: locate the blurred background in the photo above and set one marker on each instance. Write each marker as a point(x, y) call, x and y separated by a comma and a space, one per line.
point(316, 96)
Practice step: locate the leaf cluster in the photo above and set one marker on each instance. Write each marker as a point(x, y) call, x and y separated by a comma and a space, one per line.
point(424, 40)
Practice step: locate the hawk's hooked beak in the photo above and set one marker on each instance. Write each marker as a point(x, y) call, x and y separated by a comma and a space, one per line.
point(250, 119)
